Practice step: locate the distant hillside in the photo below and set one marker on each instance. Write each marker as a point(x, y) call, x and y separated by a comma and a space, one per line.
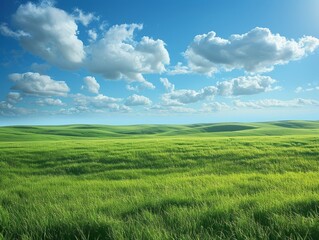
point(38, 133)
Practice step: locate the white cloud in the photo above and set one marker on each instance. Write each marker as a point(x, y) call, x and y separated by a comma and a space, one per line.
point(5, 31)
point(118, 108)
point(186, 96)
point(40, 85)
point(180, 109)
point(13, 97)
point(84, 18)
point(167, 84)
point(313, 89)
point(310, 88)
point(7, 109)
point(171, 109)
point(52, 34)
point(298, 89)
point(132, 88)
point(259, 50)
point(48, 32)
point(138, 87)
point(72, 110)
point(103, 26)
point(50, 102)
point(179, 69)
point(270, 103)
point(245, 85)
point(99, 101)
point(137, 100)
point(91, 84)
point(92, 35)
point(5, 106)
point(215, 107)
point(96, 104)
point(118, 56)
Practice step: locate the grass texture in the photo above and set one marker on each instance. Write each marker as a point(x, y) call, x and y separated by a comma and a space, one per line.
point(203, 181)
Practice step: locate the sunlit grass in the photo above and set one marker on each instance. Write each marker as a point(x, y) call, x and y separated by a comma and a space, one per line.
point(177, 187)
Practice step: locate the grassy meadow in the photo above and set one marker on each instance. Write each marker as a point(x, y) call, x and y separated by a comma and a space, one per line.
point(200, 181)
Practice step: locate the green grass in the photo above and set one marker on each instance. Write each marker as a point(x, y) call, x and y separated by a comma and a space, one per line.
point(202, 181)
point(72, 132)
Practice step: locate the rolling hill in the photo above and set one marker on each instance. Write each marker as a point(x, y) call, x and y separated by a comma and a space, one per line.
point(39, 133)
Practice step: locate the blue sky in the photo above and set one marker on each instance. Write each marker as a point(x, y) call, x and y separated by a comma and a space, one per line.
point(132, 62)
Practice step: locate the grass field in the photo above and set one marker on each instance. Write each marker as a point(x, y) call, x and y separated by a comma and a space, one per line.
point(202, 181)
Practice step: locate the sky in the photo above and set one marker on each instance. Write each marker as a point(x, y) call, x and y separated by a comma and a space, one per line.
point(165, 62)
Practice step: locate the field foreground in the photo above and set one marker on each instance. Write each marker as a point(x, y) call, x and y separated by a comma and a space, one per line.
point(203, 181)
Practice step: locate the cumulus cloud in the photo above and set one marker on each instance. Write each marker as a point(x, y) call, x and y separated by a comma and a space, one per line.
point(13, 97)
point(91, 84)
point(40, 85)
point(215, 107)
point(310, 88)
point(245, 85)
point(167, 84)
point(186, 96)
point(50, 102)
point(136, 87)
point(118, 108)
point(103, 26)
point(259, 50)
point(137, 100)
point(270, 103)
point(96, 104)
point(92, 35)
point(7, 109)
point(84, 18)
point(99, 101)
point(132, 88)
point(6, 31)
point(73, 110)
point(180, 109)
point(49, 33)
point(171, 109)
point(118, 56)
point(52, 34)
point(179, 69)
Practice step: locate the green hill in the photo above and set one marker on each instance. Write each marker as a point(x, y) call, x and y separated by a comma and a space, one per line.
point(39, 133)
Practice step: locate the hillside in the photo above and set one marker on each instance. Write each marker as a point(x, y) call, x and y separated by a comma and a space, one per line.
point(39, 133)
point(158, 182)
